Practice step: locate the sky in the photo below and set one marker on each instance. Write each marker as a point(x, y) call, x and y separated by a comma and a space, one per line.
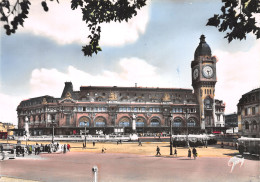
point(153, 49)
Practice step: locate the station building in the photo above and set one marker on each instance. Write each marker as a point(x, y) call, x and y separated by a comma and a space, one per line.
point(131, 109)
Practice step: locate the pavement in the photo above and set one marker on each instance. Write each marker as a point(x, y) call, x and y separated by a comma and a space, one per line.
point(129, 162)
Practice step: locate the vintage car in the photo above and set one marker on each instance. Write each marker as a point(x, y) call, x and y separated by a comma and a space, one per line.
point(8, 151)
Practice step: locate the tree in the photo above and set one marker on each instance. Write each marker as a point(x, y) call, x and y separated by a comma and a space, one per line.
point(237, 19)
point(94, 12)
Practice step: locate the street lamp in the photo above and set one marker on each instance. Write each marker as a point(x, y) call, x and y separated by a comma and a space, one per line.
point(52, 131)
point(85, 123)
point(186, 120)
point(170, 134)
point(26, 128)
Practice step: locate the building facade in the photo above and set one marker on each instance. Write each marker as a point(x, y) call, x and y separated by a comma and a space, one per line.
point(131, 109)
point(231, 120)
point(248, 111)
point(6, 128)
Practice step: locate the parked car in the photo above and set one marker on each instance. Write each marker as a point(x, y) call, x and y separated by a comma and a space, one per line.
point(8, 151)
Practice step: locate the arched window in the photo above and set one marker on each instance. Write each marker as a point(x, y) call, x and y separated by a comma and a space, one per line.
point(100, 122)
point(140, 122)
point(246, 125)
point(124, 122)
point(191, 123)
point(84, 121)
point(177, 123)
point(155, 122)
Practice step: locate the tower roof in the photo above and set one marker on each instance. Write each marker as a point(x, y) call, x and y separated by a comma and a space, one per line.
point(203, 48)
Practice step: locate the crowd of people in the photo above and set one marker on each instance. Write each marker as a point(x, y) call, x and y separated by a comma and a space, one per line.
point(49, 148)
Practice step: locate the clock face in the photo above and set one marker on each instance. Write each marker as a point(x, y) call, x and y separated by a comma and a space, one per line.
point(207, 71)
point(195, 73)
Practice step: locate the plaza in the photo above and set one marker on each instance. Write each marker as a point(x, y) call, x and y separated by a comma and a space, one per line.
point(130, 162)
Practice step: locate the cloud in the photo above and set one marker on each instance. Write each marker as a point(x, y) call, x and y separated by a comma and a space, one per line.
point(8, 107)
point(237, 74)
point(65, 26)
point(133, 70)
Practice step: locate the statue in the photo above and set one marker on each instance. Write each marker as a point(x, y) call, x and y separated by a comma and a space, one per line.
point(112, 96)
point(166, 97)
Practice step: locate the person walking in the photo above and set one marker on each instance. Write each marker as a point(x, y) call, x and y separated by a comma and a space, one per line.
point(189, 153)
point(64, 148)
point(68, 147)
point(94, 143)
point(158, 151)
point(175, 152)
point(140, 143)
point(194, 152)
point(103, 149)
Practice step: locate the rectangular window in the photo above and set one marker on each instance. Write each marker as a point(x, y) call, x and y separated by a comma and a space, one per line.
point(218, 117)
point(150, 109)
point(124, 109)
point(135, 109)
point(67, 119)
point(84, 108)
point(80, 109)
point(173, 110)
point(249, 111)
point(253, 110)
point(129, 109)
point(143, 109)
point(245, 111)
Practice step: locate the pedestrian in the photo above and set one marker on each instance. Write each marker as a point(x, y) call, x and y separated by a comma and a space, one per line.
point(64, 148)
point(83, 145)
point(158, 151)
point(206, 142)
point(68, 147)
point(175, 152)
point(189, 153)
point(103, 149)
point(94, 143)
point(222, 145)
point(194, 152)
point(1, 148)
point(117, 142)
point(140, 143)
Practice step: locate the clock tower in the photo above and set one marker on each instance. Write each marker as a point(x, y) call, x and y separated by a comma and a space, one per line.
point(204, 78)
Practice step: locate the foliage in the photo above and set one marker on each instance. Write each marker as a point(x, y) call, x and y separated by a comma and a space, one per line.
point(237, 19)
point(94, 12)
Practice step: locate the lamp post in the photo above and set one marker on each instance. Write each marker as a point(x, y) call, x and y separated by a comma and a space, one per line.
point(85, 123)
point(170, 134)
point(52, 131)
point(186, 120)
point(26, 126)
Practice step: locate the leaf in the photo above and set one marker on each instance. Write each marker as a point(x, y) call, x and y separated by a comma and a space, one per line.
point(214, 21)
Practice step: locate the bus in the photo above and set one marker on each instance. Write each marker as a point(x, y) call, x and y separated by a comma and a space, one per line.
point(251, 145)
